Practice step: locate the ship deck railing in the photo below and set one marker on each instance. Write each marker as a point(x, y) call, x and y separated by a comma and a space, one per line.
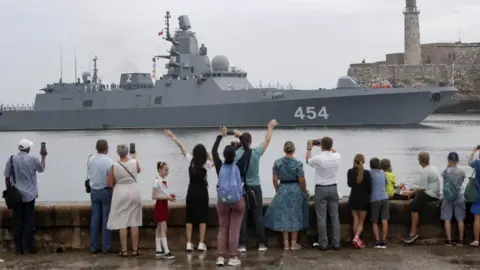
point(16, 108)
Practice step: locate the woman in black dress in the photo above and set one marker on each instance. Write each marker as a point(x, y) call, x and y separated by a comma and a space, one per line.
point(359, 200)
point(197, 192)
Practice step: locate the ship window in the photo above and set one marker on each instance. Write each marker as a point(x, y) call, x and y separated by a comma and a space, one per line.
point(87, 103)
point(272, 95)
point(158, 100)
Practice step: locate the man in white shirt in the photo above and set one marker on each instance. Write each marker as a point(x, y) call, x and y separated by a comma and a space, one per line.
point(326, 194)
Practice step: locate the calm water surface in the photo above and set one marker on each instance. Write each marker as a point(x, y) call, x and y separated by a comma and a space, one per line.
point(63, 179)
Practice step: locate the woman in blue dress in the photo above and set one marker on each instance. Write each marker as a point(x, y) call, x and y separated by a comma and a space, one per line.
point(475, 208)
point(288, 211)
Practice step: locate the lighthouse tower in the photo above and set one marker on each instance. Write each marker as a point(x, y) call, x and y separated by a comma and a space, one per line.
point(413, 49)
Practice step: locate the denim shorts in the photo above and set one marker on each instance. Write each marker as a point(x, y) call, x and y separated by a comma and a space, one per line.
point(449, 209)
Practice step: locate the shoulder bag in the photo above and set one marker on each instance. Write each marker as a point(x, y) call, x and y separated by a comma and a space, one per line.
point(128, 171)
point(87, 182)
point(11, 195)
point(250, 197)
point(471, 191)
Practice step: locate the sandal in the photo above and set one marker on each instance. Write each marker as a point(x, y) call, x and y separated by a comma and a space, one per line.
point(286, 246)
point(474, 244)
point(135, 253)
point(123, 254)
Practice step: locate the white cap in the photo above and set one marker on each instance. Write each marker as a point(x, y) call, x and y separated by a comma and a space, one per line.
point(24, 144)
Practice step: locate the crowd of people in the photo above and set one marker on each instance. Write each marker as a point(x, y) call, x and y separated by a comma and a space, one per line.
point(116, 203)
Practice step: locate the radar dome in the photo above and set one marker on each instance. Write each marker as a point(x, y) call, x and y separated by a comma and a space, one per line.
point(220, 63)
point(85, 76)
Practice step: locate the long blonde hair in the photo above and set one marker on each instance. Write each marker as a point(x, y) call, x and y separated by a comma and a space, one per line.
point(358, 162)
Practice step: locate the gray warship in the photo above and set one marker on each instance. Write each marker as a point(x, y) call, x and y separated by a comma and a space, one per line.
point(198, 93)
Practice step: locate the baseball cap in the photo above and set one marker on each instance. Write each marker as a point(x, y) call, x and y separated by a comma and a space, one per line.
point(452, 156)
point(24, 144)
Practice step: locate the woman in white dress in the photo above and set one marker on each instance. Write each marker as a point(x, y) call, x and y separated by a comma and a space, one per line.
point(126, 207)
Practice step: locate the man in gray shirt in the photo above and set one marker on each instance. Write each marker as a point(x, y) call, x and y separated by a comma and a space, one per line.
point(428, 190)
point(24, 177)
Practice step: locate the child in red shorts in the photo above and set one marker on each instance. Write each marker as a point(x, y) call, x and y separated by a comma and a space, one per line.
point(162, 196)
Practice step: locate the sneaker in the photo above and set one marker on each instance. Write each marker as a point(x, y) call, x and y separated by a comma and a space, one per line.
point(378, 244)
point(316, 245)
point(242, 249)
point(189, 247)
point(202, 247)
point(169, 256)
point(458, 242)
point(160, 254)
point(220, 261)
point(358, 243)
point(447, 243)
point(384, 244)
point(410, 239)
point(262, 247)
point(234, 262)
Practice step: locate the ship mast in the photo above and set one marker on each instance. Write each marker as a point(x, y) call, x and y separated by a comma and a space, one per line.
point(95, 70)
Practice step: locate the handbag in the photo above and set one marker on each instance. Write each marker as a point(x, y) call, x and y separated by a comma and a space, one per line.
point(128, 171)
point(11, 195)
point(87, 182)
point(471, 191)
point(250, 198)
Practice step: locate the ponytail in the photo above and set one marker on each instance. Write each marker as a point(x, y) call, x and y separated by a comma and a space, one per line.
point(245, 141)
point(360, 171)
point(358, 164)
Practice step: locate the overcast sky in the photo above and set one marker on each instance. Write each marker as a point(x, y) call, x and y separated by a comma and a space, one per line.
point(309, 43)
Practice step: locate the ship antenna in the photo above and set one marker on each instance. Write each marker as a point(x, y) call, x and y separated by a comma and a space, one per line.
point(167, 24)
point(75, 50)
point(95, 70)
point(61, 64)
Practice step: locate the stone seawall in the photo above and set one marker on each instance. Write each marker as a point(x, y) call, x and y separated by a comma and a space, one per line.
point(64, 226)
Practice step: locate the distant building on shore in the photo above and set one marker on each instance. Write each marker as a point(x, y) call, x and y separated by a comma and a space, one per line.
point(455, 63)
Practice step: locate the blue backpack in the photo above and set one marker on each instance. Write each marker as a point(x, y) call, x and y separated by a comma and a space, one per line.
point(230, 186)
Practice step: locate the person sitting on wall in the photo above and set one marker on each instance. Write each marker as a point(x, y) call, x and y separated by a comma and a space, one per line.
point(428, 190)
point(392, 181)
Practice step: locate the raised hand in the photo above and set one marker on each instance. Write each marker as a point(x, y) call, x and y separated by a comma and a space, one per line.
point(272, 123)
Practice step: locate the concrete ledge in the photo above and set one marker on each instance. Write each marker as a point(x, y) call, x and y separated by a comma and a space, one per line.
point(66, 226)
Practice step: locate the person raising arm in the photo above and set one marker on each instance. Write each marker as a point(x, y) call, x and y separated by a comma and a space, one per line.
point(184, 152)
point(268, 136)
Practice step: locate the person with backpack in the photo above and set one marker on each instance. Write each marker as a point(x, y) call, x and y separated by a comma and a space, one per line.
point(473, 192)
point(453, 202)
point(286, 211)
point(230, 202)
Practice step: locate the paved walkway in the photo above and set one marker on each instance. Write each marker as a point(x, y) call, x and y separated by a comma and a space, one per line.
point(395, 257)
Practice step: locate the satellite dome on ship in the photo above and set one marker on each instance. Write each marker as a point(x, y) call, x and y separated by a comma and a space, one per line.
point(220, 63)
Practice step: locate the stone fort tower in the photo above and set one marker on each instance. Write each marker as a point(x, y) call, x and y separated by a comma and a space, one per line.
point(413, 49)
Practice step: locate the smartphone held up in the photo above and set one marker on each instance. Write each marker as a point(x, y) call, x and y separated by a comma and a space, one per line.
point(43, 149)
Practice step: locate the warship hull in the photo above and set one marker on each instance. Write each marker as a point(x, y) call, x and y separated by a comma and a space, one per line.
point(358, 110)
